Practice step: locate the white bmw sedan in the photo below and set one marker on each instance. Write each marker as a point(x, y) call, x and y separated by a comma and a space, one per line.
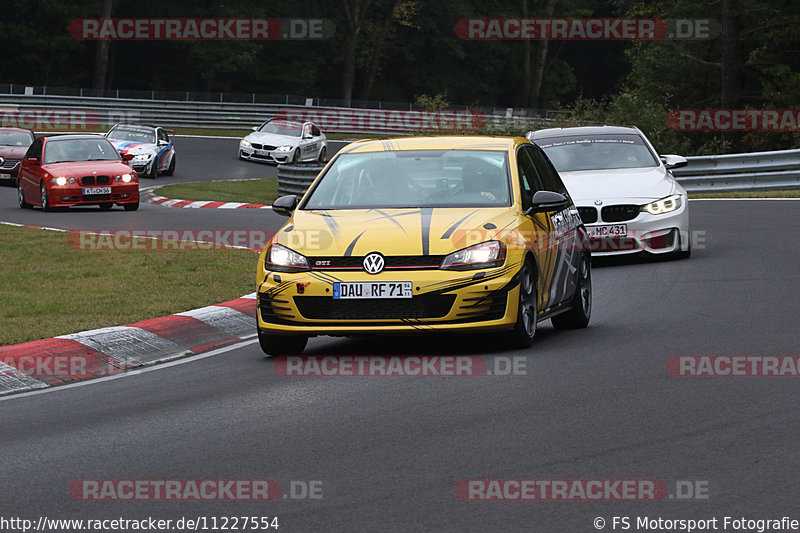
point(625, 193)
point(284, 141)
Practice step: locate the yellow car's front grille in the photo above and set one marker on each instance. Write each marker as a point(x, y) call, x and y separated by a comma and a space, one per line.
point(418, 307)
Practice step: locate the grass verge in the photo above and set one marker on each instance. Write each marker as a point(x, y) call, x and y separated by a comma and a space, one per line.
point(50, 288)
point(748, 194)
point(260, 191)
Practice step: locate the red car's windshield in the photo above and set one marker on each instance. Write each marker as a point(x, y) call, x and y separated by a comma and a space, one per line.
point(64, 150)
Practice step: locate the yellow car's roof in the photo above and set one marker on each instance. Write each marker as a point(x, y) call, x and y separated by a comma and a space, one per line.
point(455, 142)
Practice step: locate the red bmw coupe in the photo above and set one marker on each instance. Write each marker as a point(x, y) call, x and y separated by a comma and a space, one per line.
point(67, 170)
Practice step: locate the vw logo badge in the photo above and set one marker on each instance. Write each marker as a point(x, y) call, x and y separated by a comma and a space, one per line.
point(374, 263)
point(598, 202)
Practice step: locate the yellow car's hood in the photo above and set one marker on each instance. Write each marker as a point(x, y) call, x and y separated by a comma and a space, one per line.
point(407, 231)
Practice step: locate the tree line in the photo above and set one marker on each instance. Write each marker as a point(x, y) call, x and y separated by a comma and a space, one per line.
point(409, 51)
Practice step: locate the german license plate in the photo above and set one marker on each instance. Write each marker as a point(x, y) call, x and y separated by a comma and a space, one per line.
point(5, 176)
point(613, 230)
point(343, 290)
point(96, 190)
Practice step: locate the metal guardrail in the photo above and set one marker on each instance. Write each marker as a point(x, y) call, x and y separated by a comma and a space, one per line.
point(296, 178)
point(755, 171)
point(89, 113)
point(741, 172)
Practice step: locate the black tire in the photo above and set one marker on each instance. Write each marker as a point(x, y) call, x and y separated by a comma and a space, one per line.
point(680, 253)
point(274, 345)
point(105, 206)
point(323, 155)
point(153, 174)
point(171, 169)
point(581, 306)
point(20, 198)
point(131, 207)
point(45, 200)
point(527, 308)
point(296, 155)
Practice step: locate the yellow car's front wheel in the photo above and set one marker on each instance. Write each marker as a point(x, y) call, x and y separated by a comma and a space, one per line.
point(274, 345)
point(527, 312)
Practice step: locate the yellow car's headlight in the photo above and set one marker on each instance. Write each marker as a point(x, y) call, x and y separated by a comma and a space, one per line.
point(664, 205)
point(283, 259)
point(484, 255)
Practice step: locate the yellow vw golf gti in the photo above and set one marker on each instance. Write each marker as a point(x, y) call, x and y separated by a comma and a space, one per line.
point(426, 234)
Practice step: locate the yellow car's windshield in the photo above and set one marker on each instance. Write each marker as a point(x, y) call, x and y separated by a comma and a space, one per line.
point(414, 178)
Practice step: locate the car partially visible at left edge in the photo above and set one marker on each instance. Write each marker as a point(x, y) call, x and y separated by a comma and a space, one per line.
point(14, 142)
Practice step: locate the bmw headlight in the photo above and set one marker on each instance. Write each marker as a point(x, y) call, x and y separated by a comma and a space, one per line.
point(664, 205)
point(285, 148)
point(484, 255)
point(245, 143)
point(283, 259)
point(142, 157)
point(61, 180)
point(126, 178)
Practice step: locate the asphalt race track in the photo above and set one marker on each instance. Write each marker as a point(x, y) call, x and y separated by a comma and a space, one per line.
point(590, 404)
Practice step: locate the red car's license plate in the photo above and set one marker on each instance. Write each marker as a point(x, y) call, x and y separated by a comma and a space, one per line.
point(96, 190)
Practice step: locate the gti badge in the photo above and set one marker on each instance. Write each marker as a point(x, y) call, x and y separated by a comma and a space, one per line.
point(598, 202)
point(373, 263)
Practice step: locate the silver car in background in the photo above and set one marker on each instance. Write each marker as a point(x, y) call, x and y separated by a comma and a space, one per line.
point(284, 141)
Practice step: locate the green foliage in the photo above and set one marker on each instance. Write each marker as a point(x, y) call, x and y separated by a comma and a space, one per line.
point(432, 103)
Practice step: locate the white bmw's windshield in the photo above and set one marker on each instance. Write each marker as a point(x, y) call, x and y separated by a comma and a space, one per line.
point(414, 178)
point(281, 127)
point(138, 135)
point(597, 152)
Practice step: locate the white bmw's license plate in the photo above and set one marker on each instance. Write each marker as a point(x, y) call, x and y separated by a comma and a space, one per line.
point(96, 190)
point(367, 289)
point(613, 230)
point(5, 176)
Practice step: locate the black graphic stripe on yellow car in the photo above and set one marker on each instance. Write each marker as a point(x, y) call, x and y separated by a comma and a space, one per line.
point(277, 289)
point(451, 229)
point(385, 215)
point(326, 278)
point(349, 251)
point(426, 213)
point(460, 283)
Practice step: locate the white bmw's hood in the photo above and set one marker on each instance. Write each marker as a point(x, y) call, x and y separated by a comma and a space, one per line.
point(273, 139)
point(639, 185)
point(129, 147)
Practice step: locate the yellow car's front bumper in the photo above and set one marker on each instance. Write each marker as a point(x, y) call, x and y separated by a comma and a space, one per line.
point(443, 300)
